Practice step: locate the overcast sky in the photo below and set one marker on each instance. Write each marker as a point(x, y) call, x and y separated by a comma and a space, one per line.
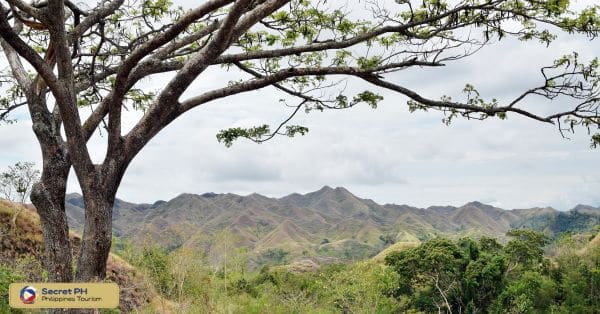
point(387, 154)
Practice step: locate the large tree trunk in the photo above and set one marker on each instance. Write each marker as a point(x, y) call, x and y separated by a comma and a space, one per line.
point(48, 196)
point(97, 237)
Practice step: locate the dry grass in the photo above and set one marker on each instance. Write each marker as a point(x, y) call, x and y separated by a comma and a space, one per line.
point(590, 246)
point(27, 242)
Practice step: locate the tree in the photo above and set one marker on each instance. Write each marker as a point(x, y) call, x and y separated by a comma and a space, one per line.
point(526, 250)
point(16, 184)
point(437, 265)
point(387, 239)
point(530, 293)
point(63, 57)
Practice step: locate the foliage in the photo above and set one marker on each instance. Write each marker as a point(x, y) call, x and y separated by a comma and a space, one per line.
point(7, 276)
point(526, 249)
point(27, 268)
point(530, 293)
point(464, 275)
point(387, 239)
point(347, 250)
point(556, 223)
point(484, 276)
point(156, 261)
point(273, 256)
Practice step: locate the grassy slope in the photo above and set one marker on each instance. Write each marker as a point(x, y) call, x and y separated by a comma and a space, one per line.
point(398, 246)
point(25, 246)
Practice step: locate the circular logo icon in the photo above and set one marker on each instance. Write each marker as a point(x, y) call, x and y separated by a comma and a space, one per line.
point(28, 295)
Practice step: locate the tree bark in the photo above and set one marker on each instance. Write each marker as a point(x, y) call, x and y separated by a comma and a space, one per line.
point(48, 196)
point(97, 237)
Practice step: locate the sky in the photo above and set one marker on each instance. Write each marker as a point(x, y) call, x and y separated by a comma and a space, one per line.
point(385, 154)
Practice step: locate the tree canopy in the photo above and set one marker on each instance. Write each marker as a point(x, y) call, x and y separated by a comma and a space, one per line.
point(299, 47)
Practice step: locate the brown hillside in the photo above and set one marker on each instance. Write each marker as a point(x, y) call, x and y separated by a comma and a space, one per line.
point(286, 235)
point(592, 246)
point(26, 244)
point(332, 214)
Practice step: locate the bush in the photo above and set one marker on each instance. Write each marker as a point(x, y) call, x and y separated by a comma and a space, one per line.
point(7, 276)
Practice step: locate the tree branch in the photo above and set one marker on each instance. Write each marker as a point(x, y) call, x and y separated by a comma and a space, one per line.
point(95, 17)
point(166, 106)
point(450, 105)
point(25, 7)
point(66, 99)
point(25, 51)
point(121, 85)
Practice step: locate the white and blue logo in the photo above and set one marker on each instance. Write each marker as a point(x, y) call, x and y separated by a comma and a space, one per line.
point(28, 295)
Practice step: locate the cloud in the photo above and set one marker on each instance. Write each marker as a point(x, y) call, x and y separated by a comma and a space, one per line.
point(387, 154)
point(18, 143)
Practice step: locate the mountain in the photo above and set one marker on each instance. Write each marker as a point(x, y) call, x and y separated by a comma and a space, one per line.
point(555, 223)
point(586, 209)
point(328, 224)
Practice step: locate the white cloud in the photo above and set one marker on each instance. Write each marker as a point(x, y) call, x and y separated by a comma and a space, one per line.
point(386, 154)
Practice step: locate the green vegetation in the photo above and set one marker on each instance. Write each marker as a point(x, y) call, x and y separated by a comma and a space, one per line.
point(21, 255)
point(530, 273)
point(485, 277)
point(7, 276)
point(198, 288)
point(556, 223)
point(26, 268)
point(276, 256)
point(347, 250)
point(451, 276)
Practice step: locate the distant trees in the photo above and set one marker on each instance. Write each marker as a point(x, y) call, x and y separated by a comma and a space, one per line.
point(274, 256)
point(526, 249)
point(16, 184)
point(387, 239)
point(438, 265)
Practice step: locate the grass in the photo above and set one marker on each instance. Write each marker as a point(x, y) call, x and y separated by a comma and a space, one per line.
point(21, 253)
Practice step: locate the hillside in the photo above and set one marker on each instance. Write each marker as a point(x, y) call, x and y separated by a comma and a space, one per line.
point(555, 223)
point(328, 224)
point(22, 251)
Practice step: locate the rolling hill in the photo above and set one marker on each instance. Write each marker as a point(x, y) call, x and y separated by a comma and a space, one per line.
point(328, 224)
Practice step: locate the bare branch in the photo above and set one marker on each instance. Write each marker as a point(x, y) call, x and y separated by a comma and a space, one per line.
point(95, 17)
point(25, 7)
point(293, 72)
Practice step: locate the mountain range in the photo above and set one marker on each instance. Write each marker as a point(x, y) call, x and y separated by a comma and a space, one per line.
point(328, 224)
